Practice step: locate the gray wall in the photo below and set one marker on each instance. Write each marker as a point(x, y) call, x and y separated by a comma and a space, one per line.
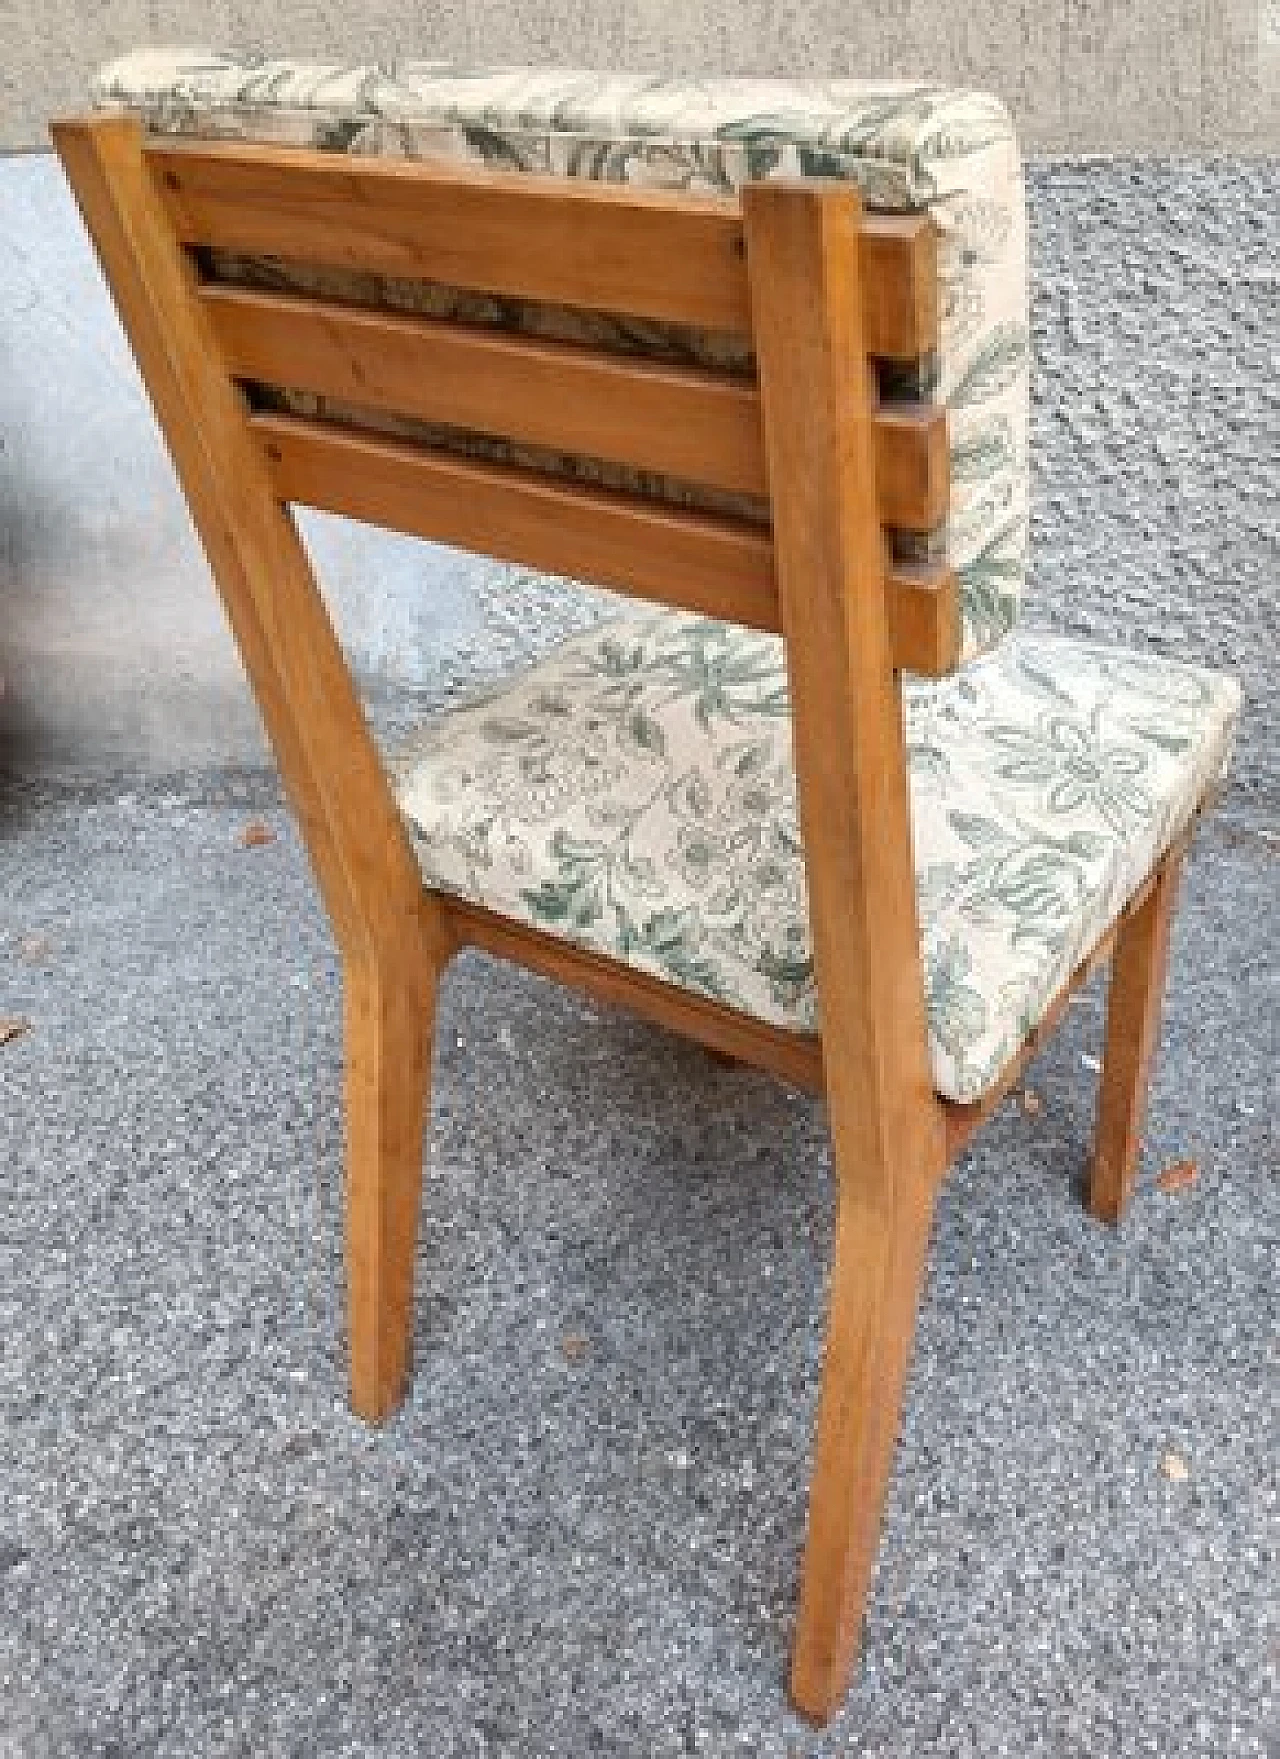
point(1079, 74)
point(1157, 330)
point(1156, 506)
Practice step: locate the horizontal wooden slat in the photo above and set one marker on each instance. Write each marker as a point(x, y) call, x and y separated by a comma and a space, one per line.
point(913, 465)
point(898, 258)
point(695, 561)
point(962, 1119)
point(721, 567)
point(619, 248)
point(684, 422)
point(924, 619)
point(645, 252)
point(793, 1056)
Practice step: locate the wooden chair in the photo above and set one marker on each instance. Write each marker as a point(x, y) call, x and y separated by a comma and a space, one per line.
point(817, 286)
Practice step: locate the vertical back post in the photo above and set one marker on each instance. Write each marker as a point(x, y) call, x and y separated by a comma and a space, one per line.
point(850, 758)
point(392, 943)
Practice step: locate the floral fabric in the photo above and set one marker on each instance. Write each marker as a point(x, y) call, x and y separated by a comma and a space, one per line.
point(634, 794)
point(913, 146)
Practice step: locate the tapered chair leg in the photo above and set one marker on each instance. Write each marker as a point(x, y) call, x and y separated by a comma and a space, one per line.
point(389, 1024)
point(1138, 969)
point(876, 1280)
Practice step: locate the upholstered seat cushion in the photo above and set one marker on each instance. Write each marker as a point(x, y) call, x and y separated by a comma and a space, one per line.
point(634, 794)
point(906, 145)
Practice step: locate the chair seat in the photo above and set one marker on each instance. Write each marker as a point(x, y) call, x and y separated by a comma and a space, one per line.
point(634, 794)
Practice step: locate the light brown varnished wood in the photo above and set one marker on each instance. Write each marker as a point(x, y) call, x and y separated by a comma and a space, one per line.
point(330, 766)
point(682, 421)
point(327, 758)
point(711, 563)
point(646, 253)
point(685, 422)
point(912, 464)
point(388, 1022)
point(700, 561)
point(657, 254)
point(850, 760)
point(923, 609)
point(1138, 968)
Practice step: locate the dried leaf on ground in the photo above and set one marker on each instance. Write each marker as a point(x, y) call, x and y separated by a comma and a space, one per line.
point(35, 948)
point(1175, 1468)
point(1031, 1102)
point(255, 834)
point(1178, 1175)
point(573, 1346)
point(12, 1026)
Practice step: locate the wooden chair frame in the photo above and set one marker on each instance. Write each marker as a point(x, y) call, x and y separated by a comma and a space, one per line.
point(821, 288)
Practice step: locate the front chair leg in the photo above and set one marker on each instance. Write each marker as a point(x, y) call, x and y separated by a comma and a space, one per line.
point(389, 1018)
point(1138, 968)
point(876, 1277)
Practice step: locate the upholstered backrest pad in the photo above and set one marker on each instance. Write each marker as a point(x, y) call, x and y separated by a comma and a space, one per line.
point(906, 146)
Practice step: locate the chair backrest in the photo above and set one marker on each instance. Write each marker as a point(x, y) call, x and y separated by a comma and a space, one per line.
point(793, 269)
point(906, 147)
point(397, 400)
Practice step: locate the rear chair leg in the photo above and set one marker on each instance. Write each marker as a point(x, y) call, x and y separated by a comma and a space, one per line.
point(1138, 969)
point(389, 1024)
point(876, 1276)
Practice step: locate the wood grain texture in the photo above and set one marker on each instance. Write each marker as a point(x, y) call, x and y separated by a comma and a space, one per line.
point(699, 561)
point(327, 757)
point(850, 759)
point(831, 464)
point(359, 851)
point(666, 255)
point(388, 1023)
point(1138, 969)
point(913, 465)
point(681, 421)
point(709, 563)
point(604, 247)
point(685, 422)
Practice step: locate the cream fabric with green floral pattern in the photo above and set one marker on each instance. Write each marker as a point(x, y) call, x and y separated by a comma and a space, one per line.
point(906, 146)
point(634, 794)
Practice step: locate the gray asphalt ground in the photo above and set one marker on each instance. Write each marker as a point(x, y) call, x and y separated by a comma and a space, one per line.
point(581, 1534)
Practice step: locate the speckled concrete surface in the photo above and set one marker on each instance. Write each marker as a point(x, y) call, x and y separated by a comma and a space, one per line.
point(590, 1549)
